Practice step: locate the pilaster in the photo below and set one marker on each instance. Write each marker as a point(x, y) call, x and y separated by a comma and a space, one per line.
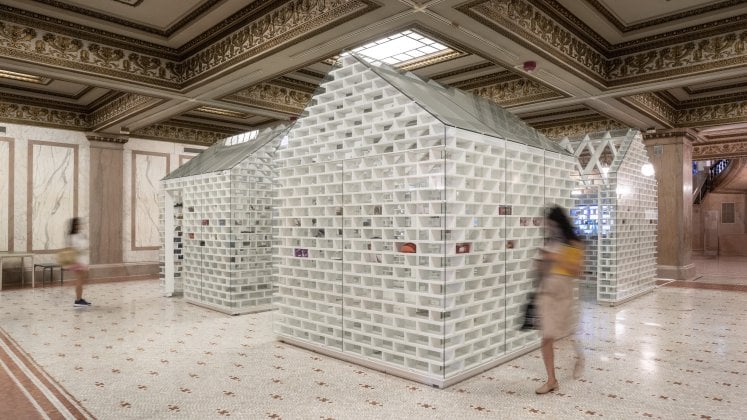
point(670, 151)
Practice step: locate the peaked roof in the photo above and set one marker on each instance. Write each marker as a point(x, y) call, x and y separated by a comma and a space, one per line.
point(220, 156)
point(461, 109)
point(600, 153)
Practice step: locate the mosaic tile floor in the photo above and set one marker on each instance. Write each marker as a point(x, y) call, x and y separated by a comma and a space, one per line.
point(673, 354)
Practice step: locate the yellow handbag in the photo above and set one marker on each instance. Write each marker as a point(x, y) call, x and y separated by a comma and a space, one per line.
point(67, 256)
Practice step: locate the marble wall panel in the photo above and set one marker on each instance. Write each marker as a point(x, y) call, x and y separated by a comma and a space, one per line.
point(52, 194)
point(6, 194)
point(147, 170)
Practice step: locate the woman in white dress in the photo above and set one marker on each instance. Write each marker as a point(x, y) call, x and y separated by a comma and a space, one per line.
point(78, 241)
point(563, 261)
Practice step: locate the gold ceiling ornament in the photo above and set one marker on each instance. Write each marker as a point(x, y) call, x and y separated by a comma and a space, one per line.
point(580, 128)
point(43, 116)
point(178, 134)
point(516, 92)
point(710, 115)
point(16, 37)
point(120, 107)
point(720, 150)
point(24, 77)
point(286, 23)
point(653, 106)
point(273, 97)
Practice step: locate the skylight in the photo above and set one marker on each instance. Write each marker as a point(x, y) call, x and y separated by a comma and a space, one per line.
point(402, 47)
point(241, 138)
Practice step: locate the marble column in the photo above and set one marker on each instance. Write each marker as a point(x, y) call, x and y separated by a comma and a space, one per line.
point(106, 195)
point(670, 151)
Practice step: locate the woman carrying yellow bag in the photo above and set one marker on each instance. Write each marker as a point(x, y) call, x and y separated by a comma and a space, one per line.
point(563, 257)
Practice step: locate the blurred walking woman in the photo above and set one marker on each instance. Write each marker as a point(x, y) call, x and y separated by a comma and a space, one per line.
point(78, 241)
point(564, 256)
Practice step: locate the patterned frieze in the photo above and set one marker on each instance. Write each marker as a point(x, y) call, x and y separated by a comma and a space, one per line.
point(120, 107)
point(28, 44)
point(270, 31)
point(716, 114)
point(180, 134)
point(654, 106)
point(273, 96)
point(516, 92)
point(720, 150)
point(579, 128)
point(704, 54)
point(85, 52)
point(41, 115)
point(527, 24)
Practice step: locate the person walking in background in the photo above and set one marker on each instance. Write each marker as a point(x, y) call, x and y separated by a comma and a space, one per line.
point(563, 260)
point(79, 242)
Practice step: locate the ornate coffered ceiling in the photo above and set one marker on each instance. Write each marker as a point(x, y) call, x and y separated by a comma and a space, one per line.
point(208, 69)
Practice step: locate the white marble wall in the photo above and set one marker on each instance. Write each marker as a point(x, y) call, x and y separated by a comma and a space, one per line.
point(148, 171)
point(5, 160)
point(27, 204)
point(47, 159)
point(53, 194)
point(143, 183)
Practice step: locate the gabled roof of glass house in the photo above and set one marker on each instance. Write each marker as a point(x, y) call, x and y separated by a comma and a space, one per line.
point(461, 109)
point(600, 153)
point(226, 154)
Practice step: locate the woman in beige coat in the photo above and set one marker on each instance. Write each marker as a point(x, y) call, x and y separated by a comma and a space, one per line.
point(563, 256)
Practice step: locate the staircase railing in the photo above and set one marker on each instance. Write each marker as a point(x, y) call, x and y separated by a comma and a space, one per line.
point(705, 184)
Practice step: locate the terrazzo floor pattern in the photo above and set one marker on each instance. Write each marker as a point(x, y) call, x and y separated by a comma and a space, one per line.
point(672, 354)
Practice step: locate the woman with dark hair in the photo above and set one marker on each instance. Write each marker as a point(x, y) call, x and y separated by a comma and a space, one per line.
point(563, 256)
point(79, 242)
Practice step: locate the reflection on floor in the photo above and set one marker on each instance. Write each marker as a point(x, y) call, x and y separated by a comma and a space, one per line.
point(676, 353)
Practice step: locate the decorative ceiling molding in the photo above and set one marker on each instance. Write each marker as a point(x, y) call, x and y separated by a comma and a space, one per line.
point(662, 20)
point(42, 116)
point(580, 128)
point(527, 25)
point(180, 134)
point(712, 115)
point(517, 92)
point(286, 23)
point(728, 150)
point(73, 30)
point(119, 108)
point(186, 20)
point(653, 106)
point(26, 44)
point(265, 34)
point(273, 97)
point(701, 55)
point(530, 25)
